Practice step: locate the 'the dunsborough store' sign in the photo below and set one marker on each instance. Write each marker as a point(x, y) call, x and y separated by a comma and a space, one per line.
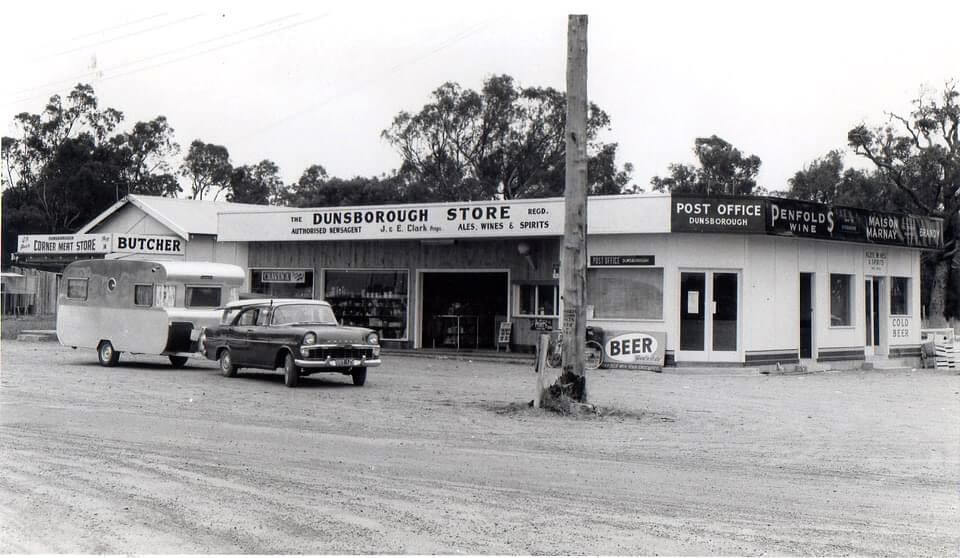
point(542, 217)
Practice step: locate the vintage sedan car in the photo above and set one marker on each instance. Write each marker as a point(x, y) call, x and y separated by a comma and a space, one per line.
point(301, 336)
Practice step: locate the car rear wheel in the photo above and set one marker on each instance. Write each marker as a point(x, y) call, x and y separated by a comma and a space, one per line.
point(178, 361)
point(107, 354)
point(291, 372)
point(359, 376)
point(226, 364)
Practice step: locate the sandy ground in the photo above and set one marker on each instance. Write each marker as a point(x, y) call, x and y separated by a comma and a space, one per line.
point(434, 456)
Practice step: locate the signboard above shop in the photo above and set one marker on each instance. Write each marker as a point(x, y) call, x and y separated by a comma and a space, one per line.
point(104, 243)
point(510, 218)
point(783, 217)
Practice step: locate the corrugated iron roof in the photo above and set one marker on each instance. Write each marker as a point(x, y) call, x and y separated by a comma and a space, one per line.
point(182, 216)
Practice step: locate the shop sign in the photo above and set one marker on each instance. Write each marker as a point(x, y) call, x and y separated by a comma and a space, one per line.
point(716, 214)
point(63, 243)
point(523, 218)
point(620, 261)
point(103, 243)
point(147, 244)
point(283, 276)
point(875, 262)
point(899, 328)
point(541, 324)
point(851, 224)
point(640, 350)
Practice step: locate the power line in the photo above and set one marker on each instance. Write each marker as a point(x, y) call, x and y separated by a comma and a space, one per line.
point(389, 71)
point(145, 59)
point(220, 47)
point(128, 35)
point(122, 25)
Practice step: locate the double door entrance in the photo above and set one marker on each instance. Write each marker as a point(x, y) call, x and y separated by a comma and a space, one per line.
point(709, 316)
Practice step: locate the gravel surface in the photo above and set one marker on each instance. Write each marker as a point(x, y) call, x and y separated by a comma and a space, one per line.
point(436, 456)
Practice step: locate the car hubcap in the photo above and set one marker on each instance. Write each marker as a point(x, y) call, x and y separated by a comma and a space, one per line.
point(106, 352)
point(225, 362)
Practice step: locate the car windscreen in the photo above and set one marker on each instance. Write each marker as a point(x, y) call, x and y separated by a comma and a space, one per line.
point(303, 314)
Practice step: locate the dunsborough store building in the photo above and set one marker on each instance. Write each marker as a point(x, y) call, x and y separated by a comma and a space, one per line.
point(753, 281)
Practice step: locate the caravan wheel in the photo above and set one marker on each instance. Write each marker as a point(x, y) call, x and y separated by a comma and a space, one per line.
point(178, 361)
point(107, 354)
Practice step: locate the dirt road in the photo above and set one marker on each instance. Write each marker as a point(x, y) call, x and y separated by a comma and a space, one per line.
point(430, 457)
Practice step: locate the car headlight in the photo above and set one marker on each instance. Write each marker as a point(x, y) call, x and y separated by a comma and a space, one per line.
point(373, 339)
point(310, 338)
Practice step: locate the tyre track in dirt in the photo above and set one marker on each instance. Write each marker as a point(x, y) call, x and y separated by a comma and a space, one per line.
point(416, 462)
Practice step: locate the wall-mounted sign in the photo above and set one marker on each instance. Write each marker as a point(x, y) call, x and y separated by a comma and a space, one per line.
point(619, 261)
point(147, 244)
point(785, 217)
point(63, 243)
point(524, 218)
point(541, 324)
point(875, 262)
point(102, 243)
point(283, 276)
point(899, 328)
point(716, 214)
point(639, 350)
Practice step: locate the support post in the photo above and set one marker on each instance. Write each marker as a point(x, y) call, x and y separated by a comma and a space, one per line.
point(574, 254)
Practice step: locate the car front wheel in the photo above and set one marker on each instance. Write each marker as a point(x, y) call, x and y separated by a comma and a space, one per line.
point(359, 376)
point(226, 364)
point(107, 354)
point(291, 372)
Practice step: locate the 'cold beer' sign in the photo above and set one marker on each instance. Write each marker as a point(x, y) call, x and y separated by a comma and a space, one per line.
point(634, 350)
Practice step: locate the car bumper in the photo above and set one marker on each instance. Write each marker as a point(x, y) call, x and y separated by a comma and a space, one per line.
point(336, 362)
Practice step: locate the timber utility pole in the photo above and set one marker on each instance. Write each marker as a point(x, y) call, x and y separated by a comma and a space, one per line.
point(573, 257)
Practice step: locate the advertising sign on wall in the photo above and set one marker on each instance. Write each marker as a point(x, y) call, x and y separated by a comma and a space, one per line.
point(63, 243)
point(634, 350)
point(785, 217)
point(621, 261)
point(714, 214)
point(283, 276)
point(104, 243)
point(525, 218)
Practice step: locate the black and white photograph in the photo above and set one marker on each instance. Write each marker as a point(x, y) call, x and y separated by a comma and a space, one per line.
point(498, 278)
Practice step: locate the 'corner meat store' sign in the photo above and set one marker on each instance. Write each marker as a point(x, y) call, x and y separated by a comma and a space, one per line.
point(469, 220)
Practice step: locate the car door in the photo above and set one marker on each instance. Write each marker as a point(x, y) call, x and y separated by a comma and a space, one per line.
point(238, 338)
point(261, 349)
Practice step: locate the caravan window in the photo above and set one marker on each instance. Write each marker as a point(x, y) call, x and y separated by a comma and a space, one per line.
point(143, 295)
point(165, 296)
point(204, 297)
point(77, 288)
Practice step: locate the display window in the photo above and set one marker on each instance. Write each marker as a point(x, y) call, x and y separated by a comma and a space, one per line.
point(536, 300)
point(841, 300)
point(626, 293)
point(900, 296)
point(375, 299)
point(282, 283)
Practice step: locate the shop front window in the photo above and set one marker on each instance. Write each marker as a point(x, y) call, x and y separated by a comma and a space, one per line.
point(841, 299)
point(371, 299)
point(626, 293)
point(282, 283)
point(537, 300)
point(900, 296)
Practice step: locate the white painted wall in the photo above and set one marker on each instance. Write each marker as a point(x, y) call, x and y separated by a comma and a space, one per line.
point(770, 285)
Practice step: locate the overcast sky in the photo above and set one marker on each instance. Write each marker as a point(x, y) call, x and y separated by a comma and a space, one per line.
point(316, 83)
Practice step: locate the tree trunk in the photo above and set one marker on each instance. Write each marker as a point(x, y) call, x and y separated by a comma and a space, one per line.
point(936, 312)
